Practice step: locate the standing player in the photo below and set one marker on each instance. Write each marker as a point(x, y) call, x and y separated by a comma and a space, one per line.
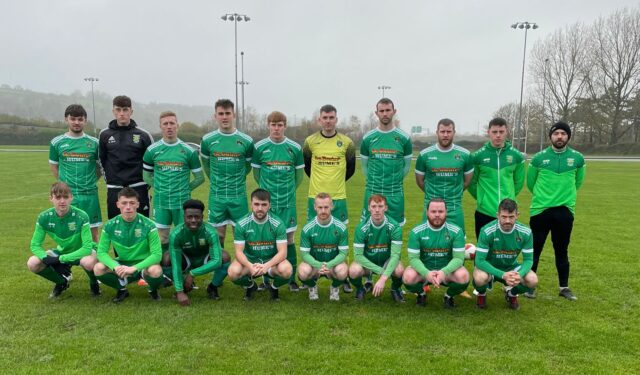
point(329, 162)
point(68, 226)
point(278, 168)
point(324, 245)
point(498, 173)
point(500, 243)
point(260, 242)
point(226, 157)
point(445, 170)
point(73, 159)
point(436, 256)
point(122, 146)
point(385, 154)
point(135, 242)
point(167, 165)
point(195, 251)
point(377, 246)
point(554, 177)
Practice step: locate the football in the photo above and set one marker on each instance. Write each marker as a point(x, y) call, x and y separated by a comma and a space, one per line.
point(469, 251)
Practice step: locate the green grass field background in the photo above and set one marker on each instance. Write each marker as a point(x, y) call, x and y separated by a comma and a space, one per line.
point(78, 334)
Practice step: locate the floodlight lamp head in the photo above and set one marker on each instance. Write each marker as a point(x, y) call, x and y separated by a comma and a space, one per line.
point(521, 26)
point(224, 18)
point(246, 18)
point(535, 26)
point(515, 25)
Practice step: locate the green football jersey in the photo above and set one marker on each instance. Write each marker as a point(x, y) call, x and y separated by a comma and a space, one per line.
point(171, 165)
point(375, 241)
point(324, 242)
point(554, 179)
point(278, 163)
point(196, 246)
point(71, 233)
point(228, 156)
point(260, 239)
point(437, 247)
point(135, 242)
point(444, 173)
point(497, 251)
point(76, 159)
point(385, 153)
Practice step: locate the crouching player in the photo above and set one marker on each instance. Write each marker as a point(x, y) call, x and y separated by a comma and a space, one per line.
point(135, 240)
point(324, 245)
point(195, 250)
point(436, 256)
point(260, 241)
point(68, 226)
point(500, 243)
point(377, 246)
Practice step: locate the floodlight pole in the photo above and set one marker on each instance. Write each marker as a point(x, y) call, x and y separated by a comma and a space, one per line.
point(383, 88)
point(235, 17)
point(526, 26)
point(93, 103)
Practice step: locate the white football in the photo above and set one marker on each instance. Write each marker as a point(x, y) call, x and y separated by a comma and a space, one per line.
point(469, 251)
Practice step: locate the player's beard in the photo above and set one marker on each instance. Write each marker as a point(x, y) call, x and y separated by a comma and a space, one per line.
point(434, 225)
point(560, 144)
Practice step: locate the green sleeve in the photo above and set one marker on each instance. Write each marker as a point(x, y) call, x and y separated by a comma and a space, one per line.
point(342, 255)
point(473, 185)
point(215, 257)
point(482, 250)
point(364, 261)
point(299, 175)
point(518, 177)
point(103, 251)
point(416, 263)
point(176, 262)
point(408, 155)
point(198, 179)
point(394, 259)
point(307, 258)
point(527, 256)
point(206, 166)
point(148, 177)
point(364, 155)
point(407, 165)
point(532, 176)
point(363, 164)
point(36, 242)
point(580, 173)
point(53, 154)
point(155, 251)
point(421, 165)
point(85, 249)
point(256, 175)
point(456, 262)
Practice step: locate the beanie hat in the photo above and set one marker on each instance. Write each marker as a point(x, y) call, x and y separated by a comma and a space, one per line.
point(560, 126)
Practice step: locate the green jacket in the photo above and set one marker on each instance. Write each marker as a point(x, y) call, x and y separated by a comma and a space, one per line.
point(498, 174)
point(554, 178)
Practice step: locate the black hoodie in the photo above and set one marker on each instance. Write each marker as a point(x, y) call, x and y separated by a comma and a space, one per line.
point(121, 152)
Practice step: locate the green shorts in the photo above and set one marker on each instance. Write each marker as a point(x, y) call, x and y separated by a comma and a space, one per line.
point(189, 263)
point(288, 216)
point(339, 211)
point(395, 204)
point(223, 211)
point(164, 217)
point(56, 253)
point(91, 205)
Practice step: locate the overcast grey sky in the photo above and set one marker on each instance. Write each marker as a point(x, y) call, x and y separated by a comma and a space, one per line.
point(457, 59)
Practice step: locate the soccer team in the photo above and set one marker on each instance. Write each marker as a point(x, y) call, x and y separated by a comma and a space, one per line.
point(178, 245)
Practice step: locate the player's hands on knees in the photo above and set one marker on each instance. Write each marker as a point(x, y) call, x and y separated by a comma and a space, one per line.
point(183, 299)
point(378, 287)
point(188, 283)
point(51, 260)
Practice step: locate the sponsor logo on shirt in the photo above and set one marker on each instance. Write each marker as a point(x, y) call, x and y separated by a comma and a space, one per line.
point(426, 238)
point(546, 161)
point(117, 232)
point(486, 160)
point(52, 225)
point(111, 140)
point(433, 158)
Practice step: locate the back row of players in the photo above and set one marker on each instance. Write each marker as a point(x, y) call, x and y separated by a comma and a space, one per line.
point(443, 171)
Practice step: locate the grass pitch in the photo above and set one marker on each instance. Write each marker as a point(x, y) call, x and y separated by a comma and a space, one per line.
point(79, 334)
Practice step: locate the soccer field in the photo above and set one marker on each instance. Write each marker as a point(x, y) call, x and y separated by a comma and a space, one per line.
point(78, 334)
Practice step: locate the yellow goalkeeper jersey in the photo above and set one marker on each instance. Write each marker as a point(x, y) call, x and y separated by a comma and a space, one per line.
point(326, 160)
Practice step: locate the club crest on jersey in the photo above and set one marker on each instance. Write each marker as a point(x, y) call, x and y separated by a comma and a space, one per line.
point(238, 142)
point(570, 162)
point(339, 143)
point(72, 226)
point(397, 139)
point(289, 150)
point(89, 145)
point(509, 159)
point(137, 232)
point(136, 138)
point(111, 140)
point(457, 156)
point(202, 241)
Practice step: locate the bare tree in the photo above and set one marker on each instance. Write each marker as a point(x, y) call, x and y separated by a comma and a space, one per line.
point(560, 64)
point(616, 77)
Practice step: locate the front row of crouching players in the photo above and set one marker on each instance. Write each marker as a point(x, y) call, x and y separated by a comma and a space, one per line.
point(260, 242)
point(499, 245)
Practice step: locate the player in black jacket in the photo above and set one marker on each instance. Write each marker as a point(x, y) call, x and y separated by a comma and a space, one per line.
point(122, 146)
